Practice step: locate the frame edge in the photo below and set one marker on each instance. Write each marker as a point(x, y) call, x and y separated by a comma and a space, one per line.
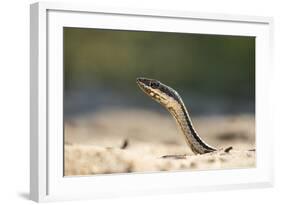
point(97, 8)
point(38, 103)
point(34, 151)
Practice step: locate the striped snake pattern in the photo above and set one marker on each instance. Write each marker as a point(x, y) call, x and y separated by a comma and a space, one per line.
point(172, 101)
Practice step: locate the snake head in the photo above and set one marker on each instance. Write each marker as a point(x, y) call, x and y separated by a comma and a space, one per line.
point(151, 87)
point(158, 91)
point(148, 83)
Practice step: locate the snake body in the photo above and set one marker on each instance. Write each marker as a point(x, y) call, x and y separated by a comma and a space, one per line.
point(172, 101)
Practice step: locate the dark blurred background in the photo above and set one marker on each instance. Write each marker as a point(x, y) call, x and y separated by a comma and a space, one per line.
point(214, 74)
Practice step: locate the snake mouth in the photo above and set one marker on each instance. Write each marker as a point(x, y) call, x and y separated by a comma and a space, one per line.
point(143, 84)
point(143, 81)
point(150, 88)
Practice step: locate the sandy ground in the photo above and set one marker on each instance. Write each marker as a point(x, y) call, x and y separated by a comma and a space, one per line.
point(118, 141)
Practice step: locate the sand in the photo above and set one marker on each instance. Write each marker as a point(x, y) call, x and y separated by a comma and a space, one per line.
point(122, 141)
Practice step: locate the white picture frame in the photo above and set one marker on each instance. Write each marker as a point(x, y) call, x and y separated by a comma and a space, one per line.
point(47, 182)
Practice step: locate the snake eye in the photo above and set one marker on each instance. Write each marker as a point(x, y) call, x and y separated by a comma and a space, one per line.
point(154, 84)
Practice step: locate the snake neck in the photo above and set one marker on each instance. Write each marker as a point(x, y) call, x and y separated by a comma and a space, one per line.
point(197, 145)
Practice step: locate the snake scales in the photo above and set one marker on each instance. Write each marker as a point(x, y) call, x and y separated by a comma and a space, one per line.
point(172, 101)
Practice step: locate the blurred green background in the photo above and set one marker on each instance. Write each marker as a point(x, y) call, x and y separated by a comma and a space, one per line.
point(214, 74)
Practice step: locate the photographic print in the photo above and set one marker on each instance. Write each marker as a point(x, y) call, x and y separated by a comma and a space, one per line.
point(142, 101)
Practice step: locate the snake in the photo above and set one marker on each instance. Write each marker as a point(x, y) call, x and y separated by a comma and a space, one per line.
point(171, 100)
